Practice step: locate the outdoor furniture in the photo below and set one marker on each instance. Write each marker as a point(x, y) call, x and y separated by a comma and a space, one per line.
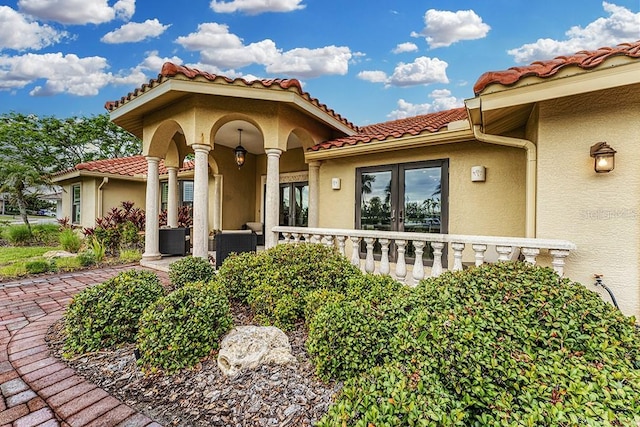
point(237, 241)
point(174, 241)
point(258, 228)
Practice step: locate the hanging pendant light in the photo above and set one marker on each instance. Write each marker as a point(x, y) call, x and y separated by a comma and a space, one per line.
point(240, 152)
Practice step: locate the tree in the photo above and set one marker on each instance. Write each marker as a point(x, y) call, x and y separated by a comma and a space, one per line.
point(33, 147)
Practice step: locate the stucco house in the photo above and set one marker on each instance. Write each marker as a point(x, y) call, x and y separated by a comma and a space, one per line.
point(512, 173)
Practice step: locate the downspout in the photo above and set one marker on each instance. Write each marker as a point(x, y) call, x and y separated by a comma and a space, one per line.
point(531, 172)
point(105, 180)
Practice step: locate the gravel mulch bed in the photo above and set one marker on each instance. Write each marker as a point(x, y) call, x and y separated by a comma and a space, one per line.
point(203, 396)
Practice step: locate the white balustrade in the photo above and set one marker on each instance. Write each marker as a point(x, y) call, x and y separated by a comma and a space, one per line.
point(393, 246)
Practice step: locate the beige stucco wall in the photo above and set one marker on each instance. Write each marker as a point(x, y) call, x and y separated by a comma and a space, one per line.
point(495, 207)
point(117, 191)
point(598, 212)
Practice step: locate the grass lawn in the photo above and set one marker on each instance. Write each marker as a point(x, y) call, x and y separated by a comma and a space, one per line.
point(11, 254)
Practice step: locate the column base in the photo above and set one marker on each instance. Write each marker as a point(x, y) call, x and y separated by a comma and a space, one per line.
point(151, 257)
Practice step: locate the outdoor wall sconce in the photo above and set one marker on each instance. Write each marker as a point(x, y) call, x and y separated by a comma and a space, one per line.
point(604, 157)
point(240, 152)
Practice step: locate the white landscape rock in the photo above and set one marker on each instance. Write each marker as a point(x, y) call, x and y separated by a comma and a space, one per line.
point(58, 254)
point(248, 347)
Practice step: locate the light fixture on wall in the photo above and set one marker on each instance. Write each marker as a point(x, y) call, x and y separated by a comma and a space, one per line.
point(604, 157)
point(240, 152)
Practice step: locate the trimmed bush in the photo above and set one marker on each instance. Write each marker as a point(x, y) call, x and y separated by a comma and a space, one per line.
point(69, 240)
point(86, 258)
point(276, 282)
point(181, 328)
point(107, 314)
point(190, 270)
point(317, 299)
point(38, 266)
point(514, 343)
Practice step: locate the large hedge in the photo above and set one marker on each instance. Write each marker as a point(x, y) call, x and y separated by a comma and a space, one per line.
point(275, 282)
point(511, 344)
point(107, 314)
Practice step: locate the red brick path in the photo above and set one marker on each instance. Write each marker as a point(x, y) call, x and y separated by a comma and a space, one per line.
point(35, 388)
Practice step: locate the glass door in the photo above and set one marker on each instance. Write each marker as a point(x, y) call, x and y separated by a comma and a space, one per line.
point(403, 197)
point(294, 204)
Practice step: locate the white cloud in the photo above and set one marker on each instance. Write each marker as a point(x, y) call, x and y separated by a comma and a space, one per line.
point(405, 47)
point(55, 73)
point(442, 100)
point(303, 62)
point(620, 26)
point(135, 32)
point(221, 49)
point(78, 12)
point(154, 63)
point(373, 76)
point(254, 7)
point(422, 71)
point(19, 33)
point(443, 28)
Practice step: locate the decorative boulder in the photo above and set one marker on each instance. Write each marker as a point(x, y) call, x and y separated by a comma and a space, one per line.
point(58, 254)
point(247, 347)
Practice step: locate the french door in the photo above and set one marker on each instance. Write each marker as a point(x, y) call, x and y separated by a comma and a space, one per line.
point(294, 204)
point(409, 197)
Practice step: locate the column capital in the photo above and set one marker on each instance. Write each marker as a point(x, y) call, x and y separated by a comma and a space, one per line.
point(201, 147)
point(314, 164)
point(273, 152)
point(152, 159)
point(171, 168)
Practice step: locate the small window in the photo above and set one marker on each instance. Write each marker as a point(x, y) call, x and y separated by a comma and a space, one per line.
point(187, 193)
point(164, 196)
point(75, 204)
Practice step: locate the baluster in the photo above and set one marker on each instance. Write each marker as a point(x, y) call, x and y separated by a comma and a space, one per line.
point(286, 236)
point(457, 247)
point(355, 254)
point(401, 266)
point(306, 237)
point(505, 252)
point(316, 238)
point(384, 259)
point(418, 266)
point(558, 260)
point(341, 244)
point(436, 268)
point(479, 250)
point(369, 263)
point(296, 238)
point(530, 254)
point(328, 240)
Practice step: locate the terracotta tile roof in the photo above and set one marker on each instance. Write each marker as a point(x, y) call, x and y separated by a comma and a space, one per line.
point(171, 70)
point(584, 59)
point(397, 128)
point(125, 166)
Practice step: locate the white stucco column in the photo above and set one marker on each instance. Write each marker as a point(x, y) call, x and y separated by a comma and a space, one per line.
point(272, 196)
point(314, 190)
point(217, 202)
point(151, 233)
point(201, 201)
point(172, 197)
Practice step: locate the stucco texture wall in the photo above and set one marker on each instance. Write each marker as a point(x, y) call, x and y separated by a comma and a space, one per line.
point(117, 191)
point(598, 212)
point(495, 207)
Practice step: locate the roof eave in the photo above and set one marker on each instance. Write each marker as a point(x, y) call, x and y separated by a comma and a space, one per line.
point(207, 88)
point(461, 134)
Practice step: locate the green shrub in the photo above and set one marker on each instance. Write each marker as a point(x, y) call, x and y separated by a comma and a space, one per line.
point(190, 270)
point(17, 235)
point(512, 342)
point(98, 248)
point(396, 395)
point(130, 255)
point(68, 263)
point(285, 272)
point(46, 234)
point(38, 266)
point(374, 289)
point(86, 258)
point(70, 241)
point(107, 314)
point(181, 328)
point(317, 299)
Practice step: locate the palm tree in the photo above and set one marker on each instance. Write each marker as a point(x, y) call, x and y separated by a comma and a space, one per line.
point(16, 179)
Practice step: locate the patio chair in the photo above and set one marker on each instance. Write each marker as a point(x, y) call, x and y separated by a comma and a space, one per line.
point(258, 228)
point(237, 241)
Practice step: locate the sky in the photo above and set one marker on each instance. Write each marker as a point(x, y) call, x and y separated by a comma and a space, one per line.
point(369, 60)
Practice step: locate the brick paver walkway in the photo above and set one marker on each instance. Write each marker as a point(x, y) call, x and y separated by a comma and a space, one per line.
point(37, 389)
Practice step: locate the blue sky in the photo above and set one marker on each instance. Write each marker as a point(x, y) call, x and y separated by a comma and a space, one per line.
point(369, 60)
